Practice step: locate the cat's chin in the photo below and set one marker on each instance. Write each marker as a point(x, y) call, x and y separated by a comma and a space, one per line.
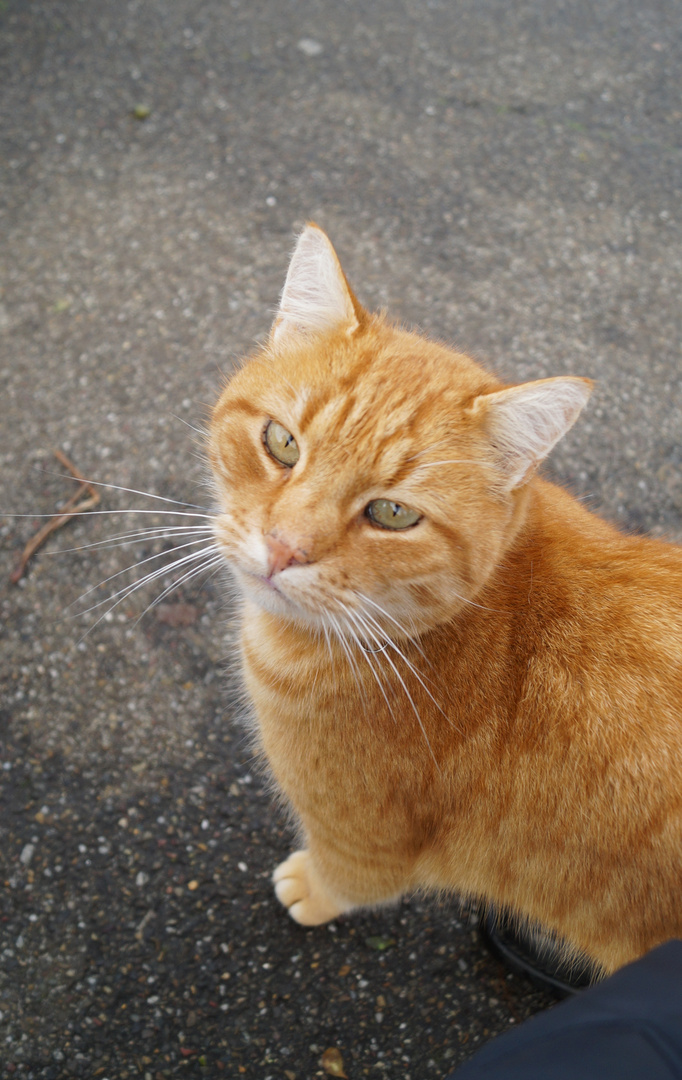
point(267, 595)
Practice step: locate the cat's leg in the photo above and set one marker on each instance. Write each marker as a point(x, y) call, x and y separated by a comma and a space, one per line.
point(302, 884)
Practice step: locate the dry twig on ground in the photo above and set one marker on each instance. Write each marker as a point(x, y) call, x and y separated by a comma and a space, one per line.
point(86, 497)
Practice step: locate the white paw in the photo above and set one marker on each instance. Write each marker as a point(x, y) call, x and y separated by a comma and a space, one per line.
point(298, 889)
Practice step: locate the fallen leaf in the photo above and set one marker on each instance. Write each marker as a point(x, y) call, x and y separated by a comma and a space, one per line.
point(177, 614)
point(379, 943)
point(332, 1062)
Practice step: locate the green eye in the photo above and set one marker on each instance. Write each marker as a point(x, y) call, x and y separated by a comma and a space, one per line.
point(391, 515)
point(281, 444)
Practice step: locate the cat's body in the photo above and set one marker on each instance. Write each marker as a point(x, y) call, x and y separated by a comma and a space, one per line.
point(462, 680)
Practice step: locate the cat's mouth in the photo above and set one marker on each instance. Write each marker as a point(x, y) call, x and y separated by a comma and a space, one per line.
point(268, 582)
point(263, 580)
point(266, 592)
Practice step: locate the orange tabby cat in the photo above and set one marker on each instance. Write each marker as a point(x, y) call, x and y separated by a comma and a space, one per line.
point(462, 680)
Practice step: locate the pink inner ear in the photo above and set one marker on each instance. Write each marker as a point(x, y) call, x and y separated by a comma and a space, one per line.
point(315, 297)
point(525, 422)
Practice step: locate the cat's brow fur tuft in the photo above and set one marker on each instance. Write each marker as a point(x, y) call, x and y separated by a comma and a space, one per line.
point(488, 701)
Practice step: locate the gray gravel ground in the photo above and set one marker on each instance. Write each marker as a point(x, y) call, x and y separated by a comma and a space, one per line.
point(504, 174)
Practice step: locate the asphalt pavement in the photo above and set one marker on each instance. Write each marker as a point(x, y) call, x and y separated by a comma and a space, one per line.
point(504, 174)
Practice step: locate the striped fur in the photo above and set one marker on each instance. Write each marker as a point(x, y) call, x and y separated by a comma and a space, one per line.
point(489, 702)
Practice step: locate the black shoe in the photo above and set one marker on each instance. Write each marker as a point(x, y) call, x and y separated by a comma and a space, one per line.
point(538, 955)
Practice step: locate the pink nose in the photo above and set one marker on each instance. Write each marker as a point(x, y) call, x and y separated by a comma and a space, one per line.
point(282, 554)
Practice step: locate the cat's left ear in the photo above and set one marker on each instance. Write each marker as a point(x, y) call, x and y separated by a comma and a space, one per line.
point(316, 295)
point(525, 422)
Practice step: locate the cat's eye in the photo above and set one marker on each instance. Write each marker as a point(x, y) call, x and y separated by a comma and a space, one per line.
point(281, 444)
point(391, 515)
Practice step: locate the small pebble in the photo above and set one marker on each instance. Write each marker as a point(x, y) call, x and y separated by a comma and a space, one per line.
point(26, 854)
point(310, 47)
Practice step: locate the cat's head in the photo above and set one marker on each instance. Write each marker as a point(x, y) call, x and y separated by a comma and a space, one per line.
point(367, 475)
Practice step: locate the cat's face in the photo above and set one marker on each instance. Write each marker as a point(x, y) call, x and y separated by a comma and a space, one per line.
point(357, 477)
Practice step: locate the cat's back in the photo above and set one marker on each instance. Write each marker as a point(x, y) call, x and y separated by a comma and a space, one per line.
point(601, 568)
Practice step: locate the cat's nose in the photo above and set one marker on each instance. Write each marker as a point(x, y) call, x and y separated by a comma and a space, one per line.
point(281, 553)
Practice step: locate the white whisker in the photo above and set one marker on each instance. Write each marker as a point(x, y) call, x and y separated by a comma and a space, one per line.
point(426, 450)
point(129, 491)
point(451, 461)
point(135, 510)
point(204, 434)
point(411, 638)
point(358, 642)
point(140, 537)
point(481, 607)
point(133, 587)
point(458, 596)
point(150, 558)
point(365, 618)
point(216, 562)
point(344, 646)
point(329, 644)
point(402, 682)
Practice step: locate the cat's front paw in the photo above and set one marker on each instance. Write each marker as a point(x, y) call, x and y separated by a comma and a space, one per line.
point(297, 887)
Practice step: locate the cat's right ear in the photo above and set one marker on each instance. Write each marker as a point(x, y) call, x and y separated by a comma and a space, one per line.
point(316, 296)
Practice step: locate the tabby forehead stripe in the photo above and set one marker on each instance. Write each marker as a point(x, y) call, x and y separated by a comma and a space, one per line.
point(239, 405)
point(348, 406)
point(313, 406)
